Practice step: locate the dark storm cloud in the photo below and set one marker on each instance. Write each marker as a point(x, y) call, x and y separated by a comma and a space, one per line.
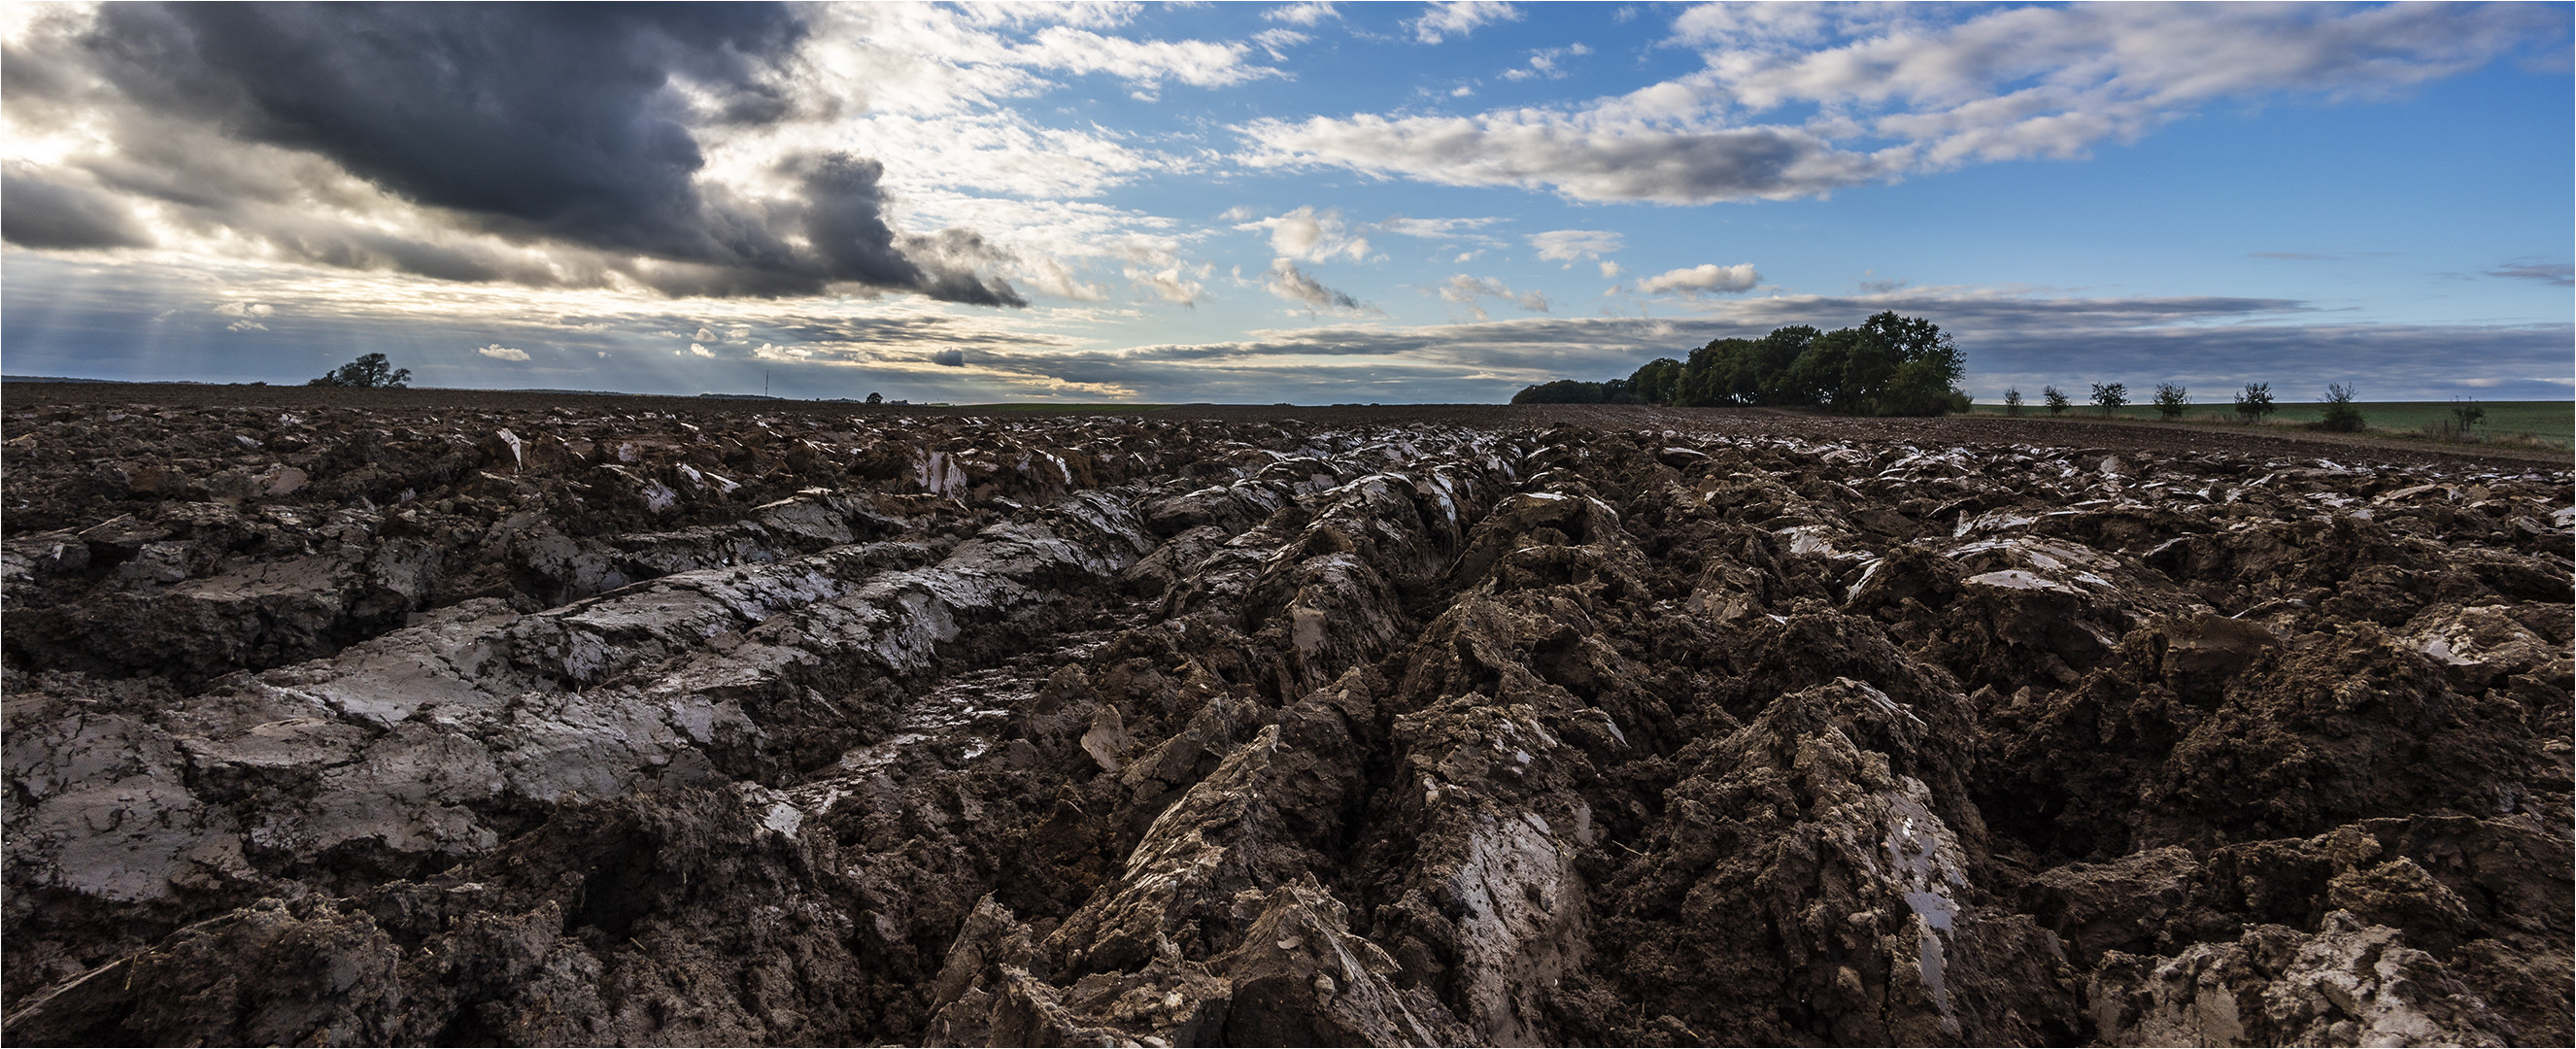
point(41, 214)
point(548, 126)
point(552, 119)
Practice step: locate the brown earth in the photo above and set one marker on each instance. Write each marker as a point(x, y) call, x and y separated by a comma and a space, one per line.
point(451, 717)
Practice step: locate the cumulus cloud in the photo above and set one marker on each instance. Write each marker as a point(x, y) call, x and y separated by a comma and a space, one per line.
point(498, 352)
point(696, 350)
point(1153, 265)
point(1311, 236)
point(1544, 63)
point(1703, 278)
point(1896, 93)
point(949, 358)
point(1459, 18)
point(1570, 246)
point(1467, 291)
point(249, 314)
point(1295, 285)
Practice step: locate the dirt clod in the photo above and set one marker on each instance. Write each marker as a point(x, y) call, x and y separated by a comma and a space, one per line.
point(629, 720)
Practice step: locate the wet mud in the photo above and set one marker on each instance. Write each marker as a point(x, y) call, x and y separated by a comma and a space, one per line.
point(603, 721)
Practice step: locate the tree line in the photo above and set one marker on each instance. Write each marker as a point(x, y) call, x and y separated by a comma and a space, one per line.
point(2253, 404)
point(1888, 365)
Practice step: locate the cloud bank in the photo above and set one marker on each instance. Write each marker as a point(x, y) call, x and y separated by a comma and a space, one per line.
point(673, 150)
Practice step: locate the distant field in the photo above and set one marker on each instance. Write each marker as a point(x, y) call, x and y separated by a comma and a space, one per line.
point(1064, 408)
point(2553, 421)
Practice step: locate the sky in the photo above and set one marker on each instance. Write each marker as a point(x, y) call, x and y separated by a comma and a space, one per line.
point(1307, 203)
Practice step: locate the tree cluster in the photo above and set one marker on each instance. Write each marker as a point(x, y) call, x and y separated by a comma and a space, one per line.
point(371, 372)
point(1889, 365)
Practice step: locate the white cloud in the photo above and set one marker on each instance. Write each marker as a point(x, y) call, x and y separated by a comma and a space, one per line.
point(1585, 160)
point(1466, 291)
point(1311, 236)
point(1703, 278)
point(1570, 246)
point(1896, 92)
point(249, 312)
point(1053, 277)
point(1195, 62)
point(1610, 270)
point(498, 352)
point(1153, 266)
point(1295, 285)
point(1460, 18)
point(1543, 63)
point(1305, 14)
point(1271, 40)
point(701, 351)
point(1439, 229)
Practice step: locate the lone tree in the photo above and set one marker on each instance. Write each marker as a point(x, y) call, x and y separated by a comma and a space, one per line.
point(2012, 401)
point(2469, 413)
point(2341, 416)
point(2056, 400)
point(2110, 396)
point(2171, 399)
point(371, 372)
point(876, 398)
point(2254, 402)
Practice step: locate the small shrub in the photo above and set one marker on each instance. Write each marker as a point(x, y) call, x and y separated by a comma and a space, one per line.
point(2171, 399)
point(2110, 396)
point(2469, 413)
point(2340, 415)
point(2056, 400)
point(2254, 402)
point(2012, 401)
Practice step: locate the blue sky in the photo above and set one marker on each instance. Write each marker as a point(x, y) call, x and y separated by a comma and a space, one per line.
point(1305, 203)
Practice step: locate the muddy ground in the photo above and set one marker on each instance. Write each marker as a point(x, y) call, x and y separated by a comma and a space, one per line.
point(439, 717)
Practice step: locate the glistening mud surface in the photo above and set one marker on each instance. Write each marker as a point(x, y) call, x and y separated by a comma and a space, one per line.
point(592, 722)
